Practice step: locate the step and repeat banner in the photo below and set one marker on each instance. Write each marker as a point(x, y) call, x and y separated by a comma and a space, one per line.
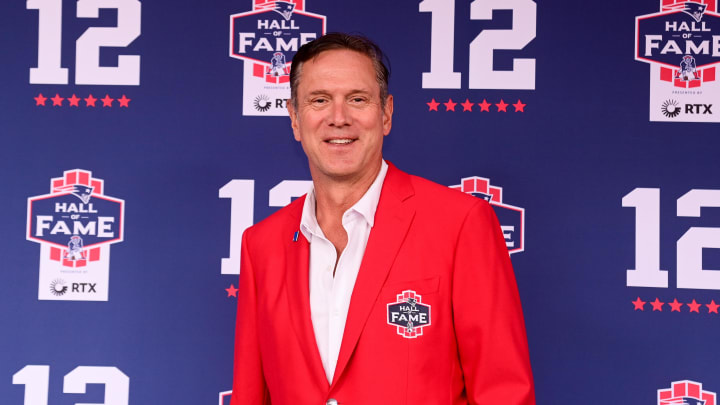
point(140, 138)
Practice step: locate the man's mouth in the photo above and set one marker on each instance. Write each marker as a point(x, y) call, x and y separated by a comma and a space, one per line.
point(340, 141)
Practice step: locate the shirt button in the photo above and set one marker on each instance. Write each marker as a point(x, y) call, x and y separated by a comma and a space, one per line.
point(331, 401)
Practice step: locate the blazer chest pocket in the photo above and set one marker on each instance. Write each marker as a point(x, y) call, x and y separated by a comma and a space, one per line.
point(425, 286)
point(408, 306)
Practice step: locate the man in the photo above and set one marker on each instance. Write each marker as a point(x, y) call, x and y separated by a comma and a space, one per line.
point(377, 287)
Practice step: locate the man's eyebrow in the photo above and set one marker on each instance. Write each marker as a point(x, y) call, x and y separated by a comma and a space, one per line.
point(361, 91)
point(318, 92)
point(325, 92)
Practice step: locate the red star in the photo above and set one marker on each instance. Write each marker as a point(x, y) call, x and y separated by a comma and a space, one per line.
point(74, 100)
point(519, 106)
point(232, 291)
point(639, 304)
point(433, 105)
point(712, 307)
point(657, 305)
point(502, 106)
point(107, 101)
point(57, 100)
point(484, 106)
point(124, 101)
point(694, 306)
point(467, 105)
point(450, 105)
point(90, 101)
point(675, 305)
point(40, 99)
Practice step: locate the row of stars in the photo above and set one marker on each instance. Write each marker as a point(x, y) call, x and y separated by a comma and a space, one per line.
point(639, 304)
point(74, 101)
point(468, 105)
point(657, 305)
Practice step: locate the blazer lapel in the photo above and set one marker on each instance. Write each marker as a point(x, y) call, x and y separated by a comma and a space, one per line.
point(393, 217)
point(297, 252)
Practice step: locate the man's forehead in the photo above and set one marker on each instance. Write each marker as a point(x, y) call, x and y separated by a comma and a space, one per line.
point(339, 53)
point(339, 68)
point(340, 59)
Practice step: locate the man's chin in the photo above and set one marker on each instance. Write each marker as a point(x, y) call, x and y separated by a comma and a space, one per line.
point(345, 171)
point(341, 172)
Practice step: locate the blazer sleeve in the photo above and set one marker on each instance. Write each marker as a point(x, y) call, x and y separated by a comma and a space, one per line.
point(249, 386)
point(487, 315)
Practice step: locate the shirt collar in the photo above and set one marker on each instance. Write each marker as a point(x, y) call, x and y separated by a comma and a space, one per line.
point(366, 206)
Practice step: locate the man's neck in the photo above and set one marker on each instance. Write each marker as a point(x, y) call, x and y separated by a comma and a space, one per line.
point(333, 198)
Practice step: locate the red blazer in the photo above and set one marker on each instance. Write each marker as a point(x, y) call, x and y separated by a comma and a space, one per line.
point(441, 244)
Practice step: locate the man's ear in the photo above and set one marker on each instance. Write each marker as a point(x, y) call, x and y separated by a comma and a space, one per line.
point(387, 114)
point(293, 118)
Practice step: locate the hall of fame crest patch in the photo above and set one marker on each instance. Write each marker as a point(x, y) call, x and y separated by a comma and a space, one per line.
point(408, 314)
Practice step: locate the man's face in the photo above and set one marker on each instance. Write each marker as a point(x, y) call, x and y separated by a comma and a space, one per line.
point(339, 118)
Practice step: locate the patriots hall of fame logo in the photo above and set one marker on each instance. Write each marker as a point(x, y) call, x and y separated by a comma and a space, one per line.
point(685, 392)
point(408, 314)
point(512, 218)
point(266, 39)
point(681, 43)
point(75, 225)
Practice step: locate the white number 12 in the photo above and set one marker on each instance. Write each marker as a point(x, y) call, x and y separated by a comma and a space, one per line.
point(481, 72)
point(36, 380)
point(87, 55)
point(242, 199)
point(690, 272)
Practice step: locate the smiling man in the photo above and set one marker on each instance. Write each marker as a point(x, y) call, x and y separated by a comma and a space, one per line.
point(377, 287)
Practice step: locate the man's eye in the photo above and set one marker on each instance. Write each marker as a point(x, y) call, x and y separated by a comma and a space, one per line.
point(358, 99)
point(319, 101)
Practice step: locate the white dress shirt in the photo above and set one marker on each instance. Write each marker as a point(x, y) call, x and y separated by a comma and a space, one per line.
point(330, 295)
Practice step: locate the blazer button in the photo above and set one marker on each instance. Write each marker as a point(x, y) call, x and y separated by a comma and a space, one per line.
point(331, 401)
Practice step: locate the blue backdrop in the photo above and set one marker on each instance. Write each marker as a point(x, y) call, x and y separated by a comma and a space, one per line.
point(167, 117)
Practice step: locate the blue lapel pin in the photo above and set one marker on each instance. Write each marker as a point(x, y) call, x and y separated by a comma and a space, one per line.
point(295, 237)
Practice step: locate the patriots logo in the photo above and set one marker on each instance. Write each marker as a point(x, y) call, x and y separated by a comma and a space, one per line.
point(78, 190)
point(682, 401)
point(285, 9)
point(277, 67)
point(75, 250)
point(82, 192)
point(484, 196)
point(695, 10)
point(687, 69)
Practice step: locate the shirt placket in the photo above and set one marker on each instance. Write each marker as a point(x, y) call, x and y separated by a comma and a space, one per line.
point(339, 296)
point(331, 308)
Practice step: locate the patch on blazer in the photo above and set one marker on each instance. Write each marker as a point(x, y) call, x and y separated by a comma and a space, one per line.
point(409, 315)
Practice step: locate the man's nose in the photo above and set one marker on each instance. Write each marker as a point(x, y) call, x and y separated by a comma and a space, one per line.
point(340, 115)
